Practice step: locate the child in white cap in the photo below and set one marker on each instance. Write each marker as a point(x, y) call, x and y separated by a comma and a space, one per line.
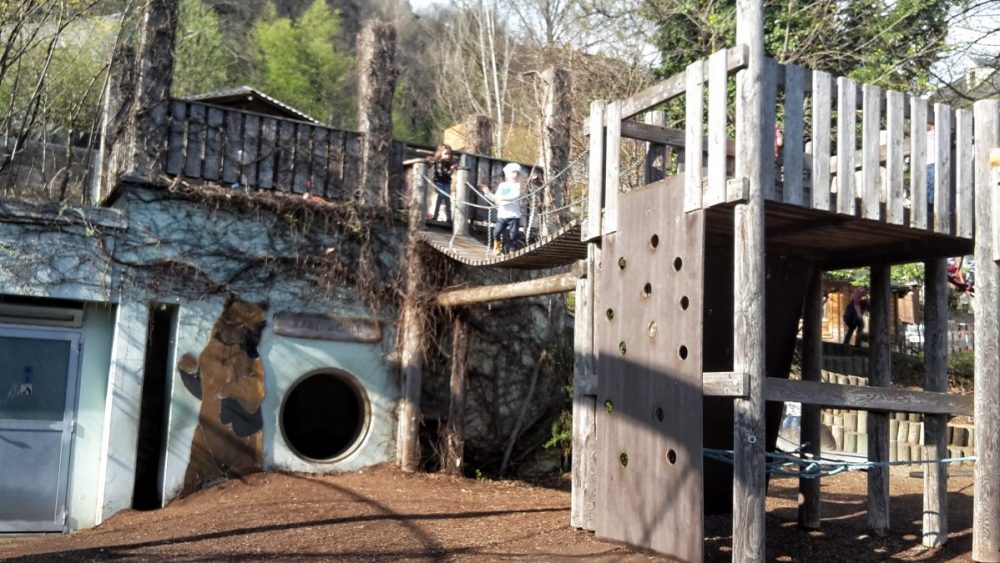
point(508, 200)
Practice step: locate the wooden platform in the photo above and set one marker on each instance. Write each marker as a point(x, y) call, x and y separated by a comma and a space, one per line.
point(558, 249)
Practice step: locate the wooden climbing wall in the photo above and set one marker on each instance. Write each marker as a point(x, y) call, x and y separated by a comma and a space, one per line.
point(648, 333)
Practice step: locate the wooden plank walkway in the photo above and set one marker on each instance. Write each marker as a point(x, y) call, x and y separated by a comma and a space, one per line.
point(558, 249)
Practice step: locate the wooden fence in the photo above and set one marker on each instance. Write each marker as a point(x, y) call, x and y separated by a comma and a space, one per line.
point(849, 148)
point(258, 151)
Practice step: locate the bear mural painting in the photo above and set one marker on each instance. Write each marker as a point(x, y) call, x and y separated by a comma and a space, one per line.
point(229, 379)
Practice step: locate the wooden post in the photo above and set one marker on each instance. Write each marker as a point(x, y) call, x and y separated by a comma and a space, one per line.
point(554, 149)
point(595, 187)
point(584, 494)
point(748, 278)
point(935, 525)
point(879, 375)
point(413, 331)
point(812, 363)
point(143, 141)
point(612, 167)
point(376, 83)
point(478, 141)
point(455, 430)
point(986, 506)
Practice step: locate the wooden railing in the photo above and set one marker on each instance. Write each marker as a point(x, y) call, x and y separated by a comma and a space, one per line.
point(236, 147)
point(849, 148)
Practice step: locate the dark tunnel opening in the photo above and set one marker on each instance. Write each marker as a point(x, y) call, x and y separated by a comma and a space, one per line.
point(324, 416)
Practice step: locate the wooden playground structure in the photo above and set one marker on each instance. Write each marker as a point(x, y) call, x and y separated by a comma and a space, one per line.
point(692, 287)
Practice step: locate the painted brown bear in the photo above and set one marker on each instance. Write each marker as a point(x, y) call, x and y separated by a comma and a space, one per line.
point(228, 377)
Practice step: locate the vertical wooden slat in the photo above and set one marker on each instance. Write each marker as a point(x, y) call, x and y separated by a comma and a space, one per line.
point(335, 168)
point(794, 133)
point(846, 145)
point(879, 375)
point(584, 401)
point(964, 210)
point(460, 195)
point(303, 156)
point(352, 164)
point(214, 143)
point(715, 191)
point(812, 360)
point(935, 519)
point(769, 119)
point(251, 141)
point(612, 167)
point(178, 122)
point(748, 280)
point(232, 167)
point(483, 175)
point(693, 119)
point(870, 124)
point(196, 140)
point(943, 203)
point(319, 156)
point(821, 102)
point(895, 192)
point(986, 504)
point(268, 149)
point(286, 155)
point(918, 163)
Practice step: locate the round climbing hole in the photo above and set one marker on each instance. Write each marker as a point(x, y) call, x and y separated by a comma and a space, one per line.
point(658, 413)
point(651, 330)
point(683, 352)
point(324, 416)
point(685, 303)
point(623, 458)
point(678, 264)
point(654, 241)
point(608, 405)
point(647, 289)
point(610, 313)
point(621, 347)
point(672, 457)
point(621, 263)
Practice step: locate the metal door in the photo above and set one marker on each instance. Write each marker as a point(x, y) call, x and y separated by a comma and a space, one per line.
point(38, 374)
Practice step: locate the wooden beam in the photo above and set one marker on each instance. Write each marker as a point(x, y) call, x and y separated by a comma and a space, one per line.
point(736, 59)
point(455, 430)
point(986, 504)
point(583, 499)
point(877, 399)
point(595, 174)
point(749, 431)
point(725, 384)
point(559, 283)
point(812, 364)
point(935, 521)
point(879, 376)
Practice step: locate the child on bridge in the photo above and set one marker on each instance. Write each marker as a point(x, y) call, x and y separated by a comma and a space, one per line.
point(443, 164)
point(508, 201)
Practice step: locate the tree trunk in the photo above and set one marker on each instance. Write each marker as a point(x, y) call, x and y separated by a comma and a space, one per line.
point(377, 81)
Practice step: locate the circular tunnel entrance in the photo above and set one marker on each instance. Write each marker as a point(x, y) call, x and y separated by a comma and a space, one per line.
point(324, 416)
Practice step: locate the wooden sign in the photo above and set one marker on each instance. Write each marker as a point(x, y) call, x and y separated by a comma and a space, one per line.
point(322, 326)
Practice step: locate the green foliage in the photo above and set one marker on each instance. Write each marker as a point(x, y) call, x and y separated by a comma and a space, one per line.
point(201, 61)
point(900, 274)
point(961, 366)
point(561, 432)
point(892, 43)
point(301, 64)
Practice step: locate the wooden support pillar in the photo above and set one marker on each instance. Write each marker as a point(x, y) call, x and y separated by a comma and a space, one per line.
point(460, 195)
point(478, 141)
point(376, 84)
point(749, 481)
point(455, 430)
point(413, 331)
point(879, 375)
point(584, 495)
point(986, 507)
point(935, 521)
point(595, 187)
point(141, 145)
point(812, 363)
point(554, 150)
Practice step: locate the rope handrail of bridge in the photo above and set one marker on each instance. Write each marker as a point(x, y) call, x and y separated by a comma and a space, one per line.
point(813, 468)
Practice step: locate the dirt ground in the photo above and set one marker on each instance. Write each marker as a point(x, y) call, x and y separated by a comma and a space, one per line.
point(383, 514)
